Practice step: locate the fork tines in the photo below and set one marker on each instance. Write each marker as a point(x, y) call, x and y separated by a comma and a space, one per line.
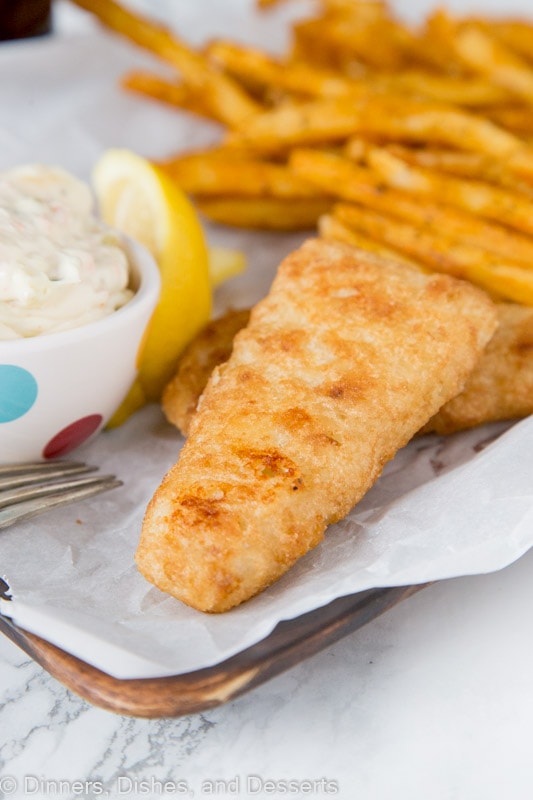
point(29, 489)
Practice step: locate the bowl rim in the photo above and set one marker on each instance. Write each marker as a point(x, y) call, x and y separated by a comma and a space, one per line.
point(143, 264)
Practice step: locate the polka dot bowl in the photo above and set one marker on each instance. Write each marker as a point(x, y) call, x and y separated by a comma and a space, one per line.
point(58, 390)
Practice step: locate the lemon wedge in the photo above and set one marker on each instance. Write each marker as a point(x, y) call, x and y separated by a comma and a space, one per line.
point(138, 199)
point(225, 264)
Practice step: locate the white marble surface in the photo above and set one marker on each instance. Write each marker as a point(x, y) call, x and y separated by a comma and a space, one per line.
point(432, 700)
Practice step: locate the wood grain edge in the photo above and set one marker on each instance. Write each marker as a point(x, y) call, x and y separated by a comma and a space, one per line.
point(291, 642)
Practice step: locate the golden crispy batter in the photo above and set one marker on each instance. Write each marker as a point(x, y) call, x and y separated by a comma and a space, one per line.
point(501, 386)
point(211, 347)
point(340, 365)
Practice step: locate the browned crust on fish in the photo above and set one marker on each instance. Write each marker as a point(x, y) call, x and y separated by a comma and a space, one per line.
point(340, 365)
point(499, 388)
point(211, 347)
point(501, 385)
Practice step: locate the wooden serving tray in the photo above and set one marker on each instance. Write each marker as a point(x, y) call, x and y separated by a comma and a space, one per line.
point(291, 642)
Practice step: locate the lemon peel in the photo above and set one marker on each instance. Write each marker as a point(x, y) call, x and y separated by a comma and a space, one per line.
point(224, 264)
point(139, 199)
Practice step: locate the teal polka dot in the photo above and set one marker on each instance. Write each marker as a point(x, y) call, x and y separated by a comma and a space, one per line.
point(18, 392)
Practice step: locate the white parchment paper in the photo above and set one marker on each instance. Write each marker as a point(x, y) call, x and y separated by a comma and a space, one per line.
point(443, 507)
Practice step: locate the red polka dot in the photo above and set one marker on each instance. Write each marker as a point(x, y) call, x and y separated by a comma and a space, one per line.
point(72, 436)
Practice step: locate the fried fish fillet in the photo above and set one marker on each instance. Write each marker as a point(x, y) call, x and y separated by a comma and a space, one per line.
point(210, 348)
point(341, 364)
point(499, 388)
point(501, 385)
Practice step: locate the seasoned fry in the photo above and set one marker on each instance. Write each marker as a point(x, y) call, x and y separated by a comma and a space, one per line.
point(440, 125)
point(266, 4)
point(486, 55)
point(226, 99)
point(473, 196)
point(366, 11)
point(330, 227)
point(517, 119)
point(431, 50)
point(342, 40)
point(459, 90)
point(181, 95)
point(305, 123)
point(220, 152)
point(464, 165)
point(438, 31)
point(392, 119)
point(253, 67)
point(358, 184)
point(220, 177)
point(517, 35)
point(340, 365)
point(344, 178)
point(265, 213)
point(443, 254)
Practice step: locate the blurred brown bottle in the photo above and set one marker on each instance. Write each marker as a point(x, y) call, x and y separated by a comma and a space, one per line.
point(22, 18)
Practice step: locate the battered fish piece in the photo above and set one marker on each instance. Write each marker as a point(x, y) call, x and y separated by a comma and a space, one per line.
point(211, 347)
point(501, 385)
point(341, 364)
point(499, 388)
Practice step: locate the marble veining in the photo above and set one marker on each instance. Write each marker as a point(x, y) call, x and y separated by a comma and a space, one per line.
point(433, 699)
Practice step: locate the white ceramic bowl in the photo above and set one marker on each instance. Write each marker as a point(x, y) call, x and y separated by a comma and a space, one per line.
point(59, 389)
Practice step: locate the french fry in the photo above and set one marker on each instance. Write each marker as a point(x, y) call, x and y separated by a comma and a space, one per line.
point(263, 5)
point(251, 66)
point(427, 132)
point(395, 42)
point(441, 125)
point(442, 254)
point(522, 162)
point(220, 177)
point(486, 55)
point(341, 39)
point(517, 35)
point(369, 11)
point(456, 89)
point(329, 227)
point(438, 33)
point(355, 149)
point(464, 165)
point(360, 185)
point(227, 100)
point(387, 118)
point(457, 162)
point(343, 177)
point(180, 95)
point(265, 213)
point(217, 152)
point(473, 196)
point(306, 123)
point(517, 119)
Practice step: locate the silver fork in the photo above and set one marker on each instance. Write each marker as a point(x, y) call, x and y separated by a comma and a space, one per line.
point(30, 489)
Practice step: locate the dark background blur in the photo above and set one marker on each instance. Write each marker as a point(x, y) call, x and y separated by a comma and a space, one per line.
point(22, 18)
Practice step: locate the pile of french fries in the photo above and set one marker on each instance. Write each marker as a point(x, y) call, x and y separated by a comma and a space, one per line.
point(412, 142)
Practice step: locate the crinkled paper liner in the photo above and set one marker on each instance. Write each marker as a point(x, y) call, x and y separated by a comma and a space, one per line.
point(442, 508)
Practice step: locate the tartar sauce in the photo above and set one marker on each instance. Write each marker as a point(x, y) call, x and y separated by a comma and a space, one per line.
point(60, 267)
